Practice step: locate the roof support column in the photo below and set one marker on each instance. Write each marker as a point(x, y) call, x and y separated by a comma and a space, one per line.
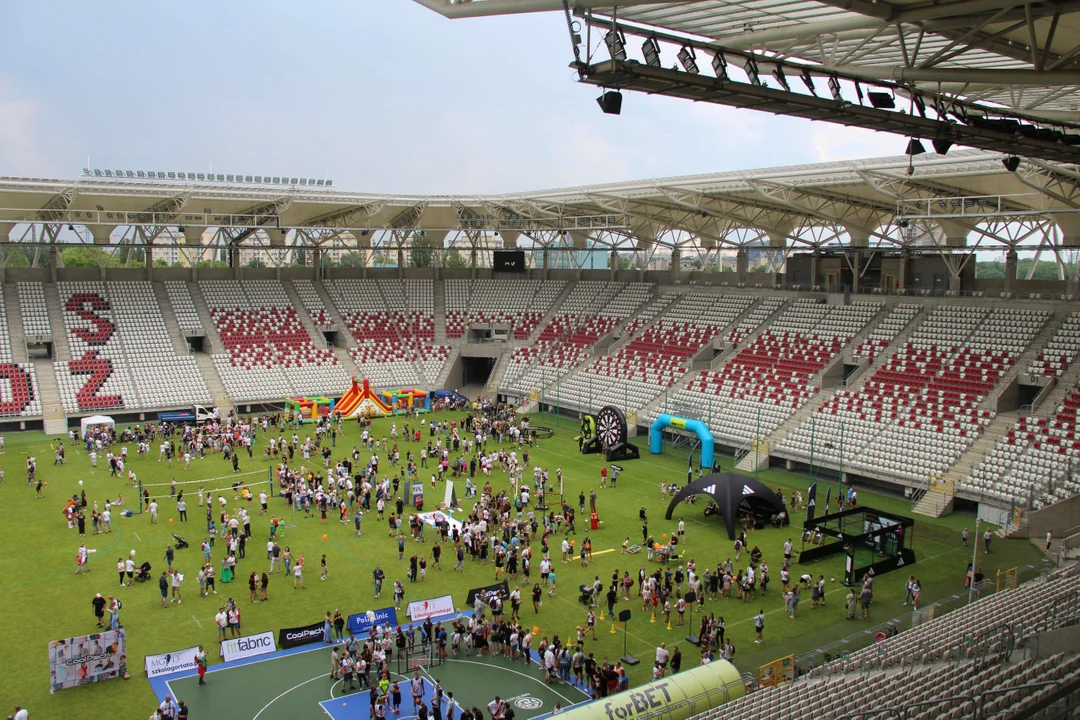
point(741, 265)
point(472, 262)
point(905, 261)
point(676, 265)
point(437, 238)
point(1070, 229)
point(101, 233)
point(1010, 271)
point(5, 231)
point(148, 252)
point(547, 263)
point(316, 263)
point(400, 262)
point(54, 261)
point(815, 262)
point(613, 264)
point(234, 261)
point(956, 234)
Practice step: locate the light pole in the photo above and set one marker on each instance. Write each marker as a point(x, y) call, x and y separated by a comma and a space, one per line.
point(974, 558)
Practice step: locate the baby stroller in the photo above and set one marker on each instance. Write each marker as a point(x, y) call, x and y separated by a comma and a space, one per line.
point(143, 573)
point(181, 543)
point(586, 595)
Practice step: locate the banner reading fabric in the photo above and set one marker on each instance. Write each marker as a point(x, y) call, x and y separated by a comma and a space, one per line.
point(248, 646)
point(87, 659)
point(361, 623)
point(424, 609)
point(500, 588)
point(295, 637)
point(168, 663)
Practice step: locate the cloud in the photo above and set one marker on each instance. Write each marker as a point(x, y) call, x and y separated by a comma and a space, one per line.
point(834, 142)
point(19, 152)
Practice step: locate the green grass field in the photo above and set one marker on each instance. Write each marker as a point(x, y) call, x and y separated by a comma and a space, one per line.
point(43, 599)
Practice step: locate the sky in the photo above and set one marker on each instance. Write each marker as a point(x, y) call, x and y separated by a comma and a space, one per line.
point(378, 95)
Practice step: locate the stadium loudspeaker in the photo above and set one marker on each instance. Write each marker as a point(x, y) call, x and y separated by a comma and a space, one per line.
point(610, 102)
point(1011, 163)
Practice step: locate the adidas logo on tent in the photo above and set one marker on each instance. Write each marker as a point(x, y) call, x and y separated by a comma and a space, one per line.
point(746, 490)
point(711, 489)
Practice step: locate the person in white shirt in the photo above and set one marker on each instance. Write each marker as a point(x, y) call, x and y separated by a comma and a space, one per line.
point(20, 713)
point(153, 512)
point(662, 655)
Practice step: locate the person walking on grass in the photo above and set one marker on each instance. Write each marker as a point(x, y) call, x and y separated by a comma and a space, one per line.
point(298, 574)
point(163, 586)
point(759, 625)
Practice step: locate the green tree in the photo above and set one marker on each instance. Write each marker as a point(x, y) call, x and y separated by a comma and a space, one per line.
point(351, 259)
point(420, 250)
point(14, 257)
point(256, 262)
point(990, 270)
point(453, 259)
point(87, 257)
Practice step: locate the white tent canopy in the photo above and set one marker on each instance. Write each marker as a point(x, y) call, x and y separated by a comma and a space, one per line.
point(94, 420)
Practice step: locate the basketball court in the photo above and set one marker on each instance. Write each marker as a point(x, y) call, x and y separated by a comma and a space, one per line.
point(297, 685)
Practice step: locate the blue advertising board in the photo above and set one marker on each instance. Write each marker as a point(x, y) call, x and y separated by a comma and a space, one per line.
point(360, 624)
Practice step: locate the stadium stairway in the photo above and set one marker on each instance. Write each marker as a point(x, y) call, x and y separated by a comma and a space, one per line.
point(439, 291)
point(552, 312)
point(1026, 358)
point(865, 372)
point(169, 313)
point(339, 322)
point(52, 408)
point(222, 399)
point(61, 349)
point(655, 308)
point(346, 361)
point(213, 340)
point(304, 316)
point(1064, 386)
point(15, 323)
point(497, 372)
point(748, 339)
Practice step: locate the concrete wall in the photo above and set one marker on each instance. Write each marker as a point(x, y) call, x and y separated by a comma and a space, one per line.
point(1057, 519)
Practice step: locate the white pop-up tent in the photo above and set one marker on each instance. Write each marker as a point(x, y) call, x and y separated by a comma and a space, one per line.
point(93, 421)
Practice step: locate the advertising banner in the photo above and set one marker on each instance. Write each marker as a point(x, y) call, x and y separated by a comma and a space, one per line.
point(361, 623)
point(86, 659)
point(424, 609)
point(295, 637)
point(248, 646)
point(502, 589)
point(158, 665)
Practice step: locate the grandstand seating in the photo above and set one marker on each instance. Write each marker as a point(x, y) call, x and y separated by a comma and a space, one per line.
point(183, 307)
point(1031, 465)
point(148, 349)
point(1059, 352)
point(921, 410)
point(769, 379)
point(517, 303)
point(96, 378)
point(949, 684)
point(35, 313)
point(269, 354)
point(313, 304)
point(658, 357)
point(19, 393)
point(591, 310)
point(886, 331)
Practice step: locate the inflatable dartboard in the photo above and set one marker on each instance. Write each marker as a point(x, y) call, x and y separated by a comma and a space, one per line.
point(610, 426)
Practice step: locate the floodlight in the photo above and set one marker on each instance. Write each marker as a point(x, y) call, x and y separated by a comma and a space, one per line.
point(207, 211)
point(329, 183)
point(651, 50)
point(834, 87)
point(220, 178)
point(616, 44)
point(100, 208)
point(719, 66)
point(142, 173)
point(751, 69)
point(942, 146)
point(86, 171)
point(881, 100)
point(119, 173)
point(172, 175)
point(303, 181)
point(808, 81)
point(610, 102)
point(201, 176)
point(229, 178)
point(1011, 163)
point(320, 183)
point(97, 172)
point(688, 59)
point(914, 147)
point(277, 181)
point(778, 75)
point(247, 178)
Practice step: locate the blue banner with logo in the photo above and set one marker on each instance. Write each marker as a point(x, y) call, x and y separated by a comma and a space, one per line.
point(361, 623)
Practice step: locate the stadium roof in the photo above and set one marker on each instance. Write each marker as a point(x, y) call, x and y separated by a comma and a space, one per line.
point(999, 75)
point(877, 202)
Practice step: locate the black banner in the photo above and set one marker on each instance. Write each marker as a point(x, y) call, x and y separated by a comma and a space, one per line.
point(502, 588)
point(811, 502)
point(828, 497)
point(295, 637)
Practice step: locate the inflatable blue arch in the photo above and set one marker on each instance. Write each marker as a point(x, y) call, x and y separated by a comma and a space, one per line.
point(656, 436)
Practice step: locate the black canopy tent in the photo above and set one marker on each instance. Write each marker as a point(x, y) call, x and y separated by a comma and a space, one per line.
point(731, 492)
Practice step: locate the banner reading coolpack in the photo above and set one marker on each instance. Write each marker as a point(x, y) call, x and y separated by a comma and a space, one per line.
point(295, 637)
point(86, 659)
point(361, 623)
point(158, 665)
point(424, 609)
point(248, 646)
